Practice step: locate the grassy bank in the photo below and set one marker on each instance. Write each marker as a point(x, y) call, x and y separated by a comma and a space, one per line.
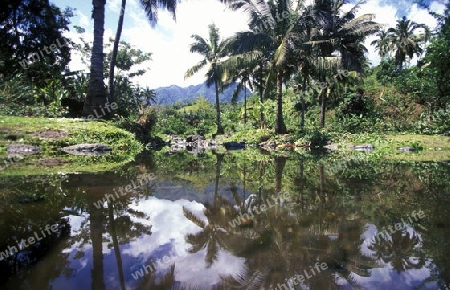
point(51, 134)
point(427, 147)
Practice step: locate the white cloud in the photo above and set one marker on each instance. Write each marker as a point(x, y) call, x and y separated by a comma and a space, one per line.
point(169, 41)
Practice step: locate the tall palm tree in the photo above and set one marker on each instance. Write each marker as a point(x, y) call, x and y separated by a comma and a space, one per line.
point(213, 50)
point(403, 41)
point(248, 62)
point(381, 43)
point(97, 94)
point(273, 20)
point(338, 41)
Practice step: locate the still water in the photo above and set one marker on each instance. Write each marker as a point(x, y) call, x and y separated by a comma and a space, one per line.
point(239, 220)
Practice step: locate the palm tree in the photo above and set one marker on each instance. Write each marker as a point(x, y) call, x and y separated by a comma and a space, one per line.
point(337, 41)
point(248, 63)
point(403, 41)
point(381, 44)
point(213, 50)
point(275, 21)
point(97, 95)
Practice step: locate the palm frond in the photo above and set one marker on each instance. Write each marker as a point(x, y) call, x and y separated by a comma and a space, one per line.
point(151, 8)
point(193, 218)
point(193, 70)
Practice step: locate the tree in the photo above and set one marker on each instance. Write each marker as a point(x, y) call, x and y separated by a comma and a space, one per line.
point(31, 40)
point(402, 41)
point(213, 50)
point(438, 61)
point(97, 95)
point(150, 8)
point(115, 50)
point(338, 43)
point(273, 21)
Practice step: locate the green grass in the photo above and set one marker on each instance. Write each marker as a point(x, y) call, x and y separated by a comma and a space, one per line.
point(74, 131)
point(429, 147)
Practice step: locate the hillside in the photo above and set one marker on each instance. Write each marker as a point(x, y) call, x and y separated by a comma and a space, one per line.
point(173, 94)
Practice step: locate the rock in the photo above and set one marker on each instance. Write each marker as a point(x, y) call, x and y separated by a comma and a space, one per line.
point(22, 149)
point(269, 145)
point(406, 149)
point(234, 145)
point(87, 149)
point(364, 147)
point(331, 147)
point(194, 138)
point(192, 143)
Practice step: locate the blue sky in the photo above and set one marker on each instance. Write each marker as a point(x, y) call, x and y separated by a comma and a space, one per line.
point(169, 41)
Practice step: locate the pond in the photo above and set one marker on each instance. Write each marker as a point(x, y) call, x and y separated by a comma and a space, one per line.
point(235, 220)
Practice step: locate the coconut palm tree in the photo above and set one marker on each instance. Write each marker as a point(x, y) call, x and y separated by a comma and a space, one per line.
point(213, 50)
point(97, 94)
point(248, 62)
point(403, 41)
point(275, 21)
point(337, 39)
point(381, 43)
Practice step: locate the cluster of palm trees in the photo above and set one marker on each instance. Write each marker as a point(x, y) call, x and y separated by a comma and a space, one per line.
point(402, 40)
point(286, 38)
point(307, 43)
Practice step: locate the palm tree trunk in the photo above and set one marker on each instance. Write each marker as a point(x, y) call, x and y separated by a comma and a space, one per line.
point(280, 127)
point(219, 124)
point(219, 158)
point(262, 118)
point(96, 226)
point(116, 245)
point(323, 107)
point(245, 104)
point(112, 64)
point(96, 97)
point(302, 122)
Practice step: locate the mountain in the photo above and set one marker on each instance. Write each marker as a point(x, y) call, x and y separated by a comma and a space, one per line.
point(171, 94)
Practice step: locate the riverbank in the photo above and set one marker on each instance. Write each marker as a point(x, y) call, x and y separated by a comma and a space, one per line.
point(411, 147)
point(50, 135)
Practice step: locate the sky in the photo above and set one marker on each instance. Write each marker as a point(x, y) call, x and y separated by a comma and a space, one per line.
point(169, 39)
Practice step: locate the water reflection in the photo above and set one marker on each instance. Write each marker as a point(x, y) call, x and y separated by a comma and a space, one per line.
point(239, 220)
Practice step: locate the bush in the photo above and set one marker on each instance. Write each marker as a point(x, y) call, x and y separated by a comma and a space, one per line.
point(315, 138)
point(436, 123)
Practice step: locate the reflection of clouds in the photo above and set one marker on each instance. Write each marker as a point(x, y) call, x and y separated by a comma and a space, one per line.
point(169, 228)
point(386, 276)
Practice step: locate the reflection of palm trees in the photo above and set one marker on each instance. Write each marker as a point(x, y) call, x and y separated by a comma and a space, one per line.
point(116, 217)
point(167, 281)
point(246, 279)
point(399, 250)
point(212, 237)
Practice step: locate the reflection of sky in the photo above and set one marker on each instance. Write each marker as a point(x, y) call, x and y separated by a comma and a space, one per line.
point(386, 277)
point(169, 227)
